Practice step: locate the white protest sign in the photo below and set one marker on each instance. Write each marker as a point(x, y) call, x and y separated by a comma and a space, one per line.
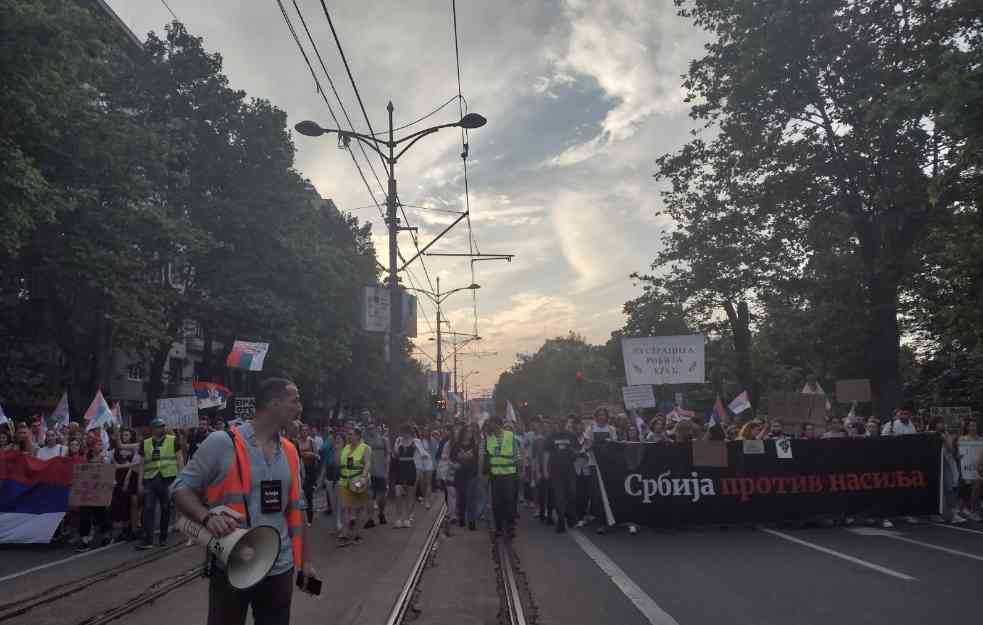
point(664, 360)
point(635, 397)
point(970, 451)
point(783, 448)
point(754, 447)
point(178, 412)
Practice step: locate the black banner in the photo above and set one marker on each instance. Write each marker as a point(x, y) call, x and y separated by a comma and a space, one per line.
point(658, 485)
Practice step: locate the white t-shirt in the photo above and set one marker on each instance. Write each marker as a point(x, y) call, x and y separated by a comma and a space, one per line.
point(602, 433)
point(47, 453)
point(897, 428)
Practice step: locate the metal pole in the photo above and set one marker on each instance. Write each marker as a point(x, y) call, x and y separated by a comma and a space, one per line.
point(455, 365)
point(395, 301)
point(440, 374)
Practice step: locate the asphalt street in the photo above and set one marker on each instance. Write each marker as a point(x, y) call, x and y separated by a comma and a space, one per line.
point(756, 576)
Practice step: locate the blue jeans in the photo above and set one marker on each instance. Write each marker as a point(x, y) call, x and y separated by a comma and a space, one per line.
point(467, 498)
point(156, 489)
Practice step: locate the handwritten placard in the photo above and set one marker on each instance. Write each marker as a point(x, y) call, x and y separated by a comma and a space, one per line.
point(92, 485)
point(244, 407)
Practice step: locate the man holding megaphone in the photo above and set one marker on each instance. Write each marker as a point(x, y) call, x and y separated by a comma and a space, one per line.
point(241, 497)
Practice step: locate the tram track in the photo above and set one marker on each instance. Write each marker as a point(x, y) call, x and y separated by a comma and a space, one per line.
point(403, 607)
point(151, 594)
point(513, 611)
point(51, 595)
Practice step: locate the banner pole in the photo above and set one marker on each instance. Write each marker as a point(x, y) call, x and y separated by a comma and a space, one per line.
point(609, 517)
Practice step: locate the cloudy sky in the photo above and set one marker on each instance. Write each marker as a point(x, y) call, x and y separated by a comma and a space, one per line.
point(581, 97)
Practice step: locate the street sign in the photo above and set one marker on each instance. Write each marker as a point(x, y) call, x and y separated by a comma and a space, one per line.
point(375, 311)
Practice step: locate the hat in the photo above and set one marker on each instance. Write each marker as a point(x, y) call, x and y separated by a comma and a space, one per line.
point(158, 423)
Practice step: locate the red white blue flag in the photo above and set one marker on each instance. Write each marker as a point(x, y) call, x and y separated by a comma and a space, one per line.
point(33, 496)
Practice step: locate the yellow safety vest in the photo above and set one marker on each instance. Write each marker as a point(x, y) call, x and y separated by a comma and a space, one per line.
point(357, 465)
point(166, 464)
point(500, 455)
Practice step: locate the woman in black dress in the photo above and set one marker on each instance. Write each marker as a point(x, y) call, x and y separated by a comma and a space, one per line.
point(404, 475)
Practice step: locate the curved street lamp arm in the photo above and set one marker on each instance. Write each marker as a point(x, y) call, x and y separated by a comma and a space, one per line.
point(416, 137)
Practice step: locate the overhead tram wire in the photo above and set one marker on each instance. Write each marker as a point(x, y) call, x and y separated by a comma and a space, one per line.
point(368, 122)
point(419, 119)
point(472, 244)
point(320, 90)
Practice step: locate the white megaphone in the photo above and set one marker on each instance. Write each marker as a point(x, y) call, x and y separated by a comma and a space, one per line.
point(247, 555)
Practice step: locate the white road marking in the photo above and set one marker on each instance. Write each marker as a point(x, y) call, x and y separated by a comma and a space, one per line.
point(41, 567)
point(957, 528)
point(838, 554)
point(645, 604)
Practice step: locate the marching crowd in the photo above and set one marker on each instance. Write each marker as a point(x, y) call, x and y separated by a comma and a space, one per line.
point(366, 476)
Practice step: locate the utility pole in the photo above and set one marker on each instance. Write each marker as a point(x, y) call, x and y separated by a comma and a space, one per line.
point(440, 373)
point(395, 299)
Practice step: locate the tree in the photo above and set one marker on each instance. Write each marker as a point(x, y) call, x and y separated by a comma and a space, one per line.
point(827, 111)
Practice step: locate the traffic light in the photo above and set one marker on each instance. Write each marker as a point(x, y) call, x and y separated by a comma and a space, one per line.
point(580, 377)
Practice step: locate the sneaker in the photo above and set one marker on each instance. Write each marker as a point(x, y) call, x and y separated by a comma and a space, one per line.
point(408, 524)
point(848, 521)
point(357, 540)
point(83, 547)
point(427, 505)
point(911, 520)
point(145, 546)
point(602, 530)
point(632, 529)
point(369, 524)
point(343, 541)
point(886, 524)
point(419, 499)
point(936, 518)
point(582, 523)
point(974, 516)
point(958, 519)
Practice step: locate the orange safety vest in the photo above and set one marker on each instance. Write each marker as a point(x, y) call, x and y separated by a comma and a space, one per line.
point(235, 488)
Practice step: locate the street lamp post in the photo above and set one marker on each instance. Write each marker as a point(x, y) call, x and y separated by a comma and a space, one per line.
point(312, 129)
point(439, 298)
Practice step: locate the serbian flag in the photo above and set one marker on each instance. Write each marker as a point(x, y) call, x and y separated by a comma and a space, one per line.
point(719, 414)
point(211, 394)
point(248, 356)
point(740, 403)
point(33, 496)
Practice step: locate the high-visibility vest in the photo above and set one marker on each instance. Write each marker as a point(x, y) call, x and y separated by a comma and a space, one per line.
point(500, 454)
point(234, 490)
point(357, 463)
point(166, 463)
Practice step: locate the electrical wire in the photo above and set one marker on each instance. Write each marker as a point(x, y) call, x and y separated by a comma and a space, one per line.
point(472, 244)
point(320, 90)
point(420, 119)
point(368, 122)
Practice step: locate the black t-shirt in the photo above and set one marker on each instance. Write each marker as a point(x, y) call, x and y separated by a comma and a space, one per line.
point(562, 448)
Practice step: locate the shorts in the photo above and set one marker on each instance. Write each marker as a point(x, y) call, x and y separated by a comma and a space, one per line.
point(379, 486)
point(352, 500)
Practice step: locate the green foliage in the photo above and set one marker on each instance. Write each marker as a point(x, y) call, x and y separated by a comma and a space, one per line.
point(547, 380)
point(141, 191)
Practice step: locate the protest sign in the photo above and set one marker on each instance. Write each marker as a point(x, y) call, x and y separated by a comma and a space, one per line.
point(953, 415)
point(709, 453)
point(92, 485)
point(783, 448)
point(970, 459)
point(660, 485)
point(852, 390)
point(753, 447)
point(244, 407)
point(791, 408)
point(664, 359)
point(642, 396)
point(178, 412)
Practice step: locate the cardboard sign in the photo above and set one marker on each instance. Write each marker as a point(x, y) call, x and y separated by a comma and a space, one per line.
point(179, 413)
point(642, 396)
point(971, 457)
point(710, 454)
point(783, 448)
point(797, 408)
point(664, 359)
point(753, 447)
point(244, 407)
point(852, 390)
point(953, 415)
point(92, 485)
